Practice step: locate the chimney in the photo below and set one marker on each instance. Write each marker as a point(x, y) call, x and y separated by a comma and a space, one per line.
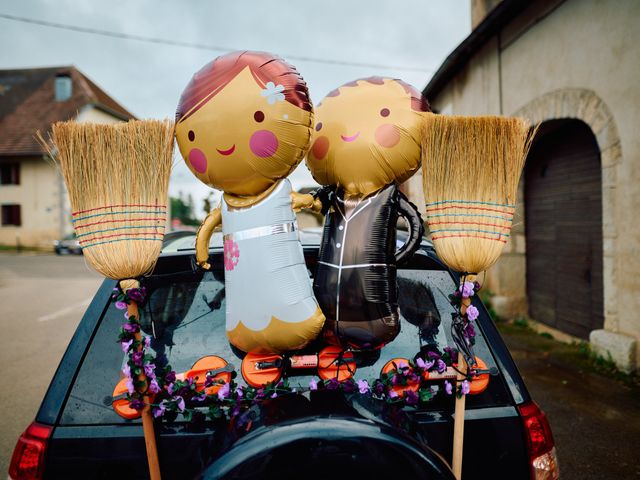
point(63, 87)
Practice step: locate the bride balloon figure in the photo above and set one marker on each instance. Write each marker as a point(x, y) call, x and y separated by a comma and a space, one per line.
point(366, 142)
point(242, 125)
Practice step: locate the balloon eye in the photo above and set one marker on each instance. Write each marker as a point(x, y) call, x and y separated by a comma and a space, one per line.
point(258, 116)
point(385, 112)
point(191, 135)
point(319, 126)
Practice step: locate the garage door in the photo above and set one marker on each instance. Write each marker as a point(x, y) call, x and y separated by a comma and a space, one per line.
point(563, 214)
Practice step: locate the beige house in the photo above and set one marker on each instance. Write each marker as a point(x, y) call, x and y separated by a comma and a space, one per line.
point(33, 200)
point(573, 66)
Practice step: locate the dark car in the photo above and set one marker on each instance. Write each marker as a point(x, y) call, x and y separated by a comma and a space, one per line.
point(68, 245)
point(317, 434)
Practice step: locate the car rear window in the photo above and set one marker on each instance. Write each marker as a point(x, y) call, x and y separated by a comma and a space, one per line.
point(185, 315)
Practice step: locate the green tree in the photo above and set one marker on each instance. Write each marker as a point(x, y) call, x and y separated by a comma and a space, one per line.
point(183, 210)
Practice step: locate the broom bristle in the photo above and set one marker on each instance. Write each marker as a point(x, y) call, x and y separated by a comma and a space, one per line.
point(471, 167)
point(117, 177)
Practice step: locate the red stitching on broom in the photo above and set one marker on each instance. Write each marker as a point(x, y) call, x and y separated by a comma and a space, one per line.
point(118, 206)
point(469, 207)
point(115, 221)
point(470, 223)
point(135, 234)
point(468, 236)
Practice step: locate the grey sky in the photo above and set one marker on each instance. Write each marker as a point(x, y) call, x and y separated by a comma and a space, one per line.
point(148, 78)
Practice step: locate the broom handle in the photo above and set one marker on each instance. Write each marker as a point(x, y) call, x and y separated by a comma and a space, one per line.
point(147, 417)
point(458, 420)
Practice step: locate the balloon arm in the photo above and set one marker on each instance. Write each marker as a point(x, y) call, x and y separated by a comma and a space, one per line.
point(203, 237)
point(305, 201)
point(324, 197)
point(410, 213)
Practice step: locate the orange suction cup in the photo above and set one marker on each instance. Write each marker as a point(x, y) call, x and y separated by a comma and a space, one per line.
point(334, 362)
point(202, 367)
point(258, 369)
point(400, 389)
point(121, 404)
point(480, 383)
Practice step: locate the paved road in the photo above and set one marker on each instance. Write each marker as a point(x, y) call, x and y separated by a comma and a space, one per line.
point(595, 420)
point(42, 299)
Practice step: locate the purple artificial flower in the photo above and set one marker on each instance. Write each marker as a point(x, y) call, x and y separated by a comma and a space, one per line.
point(442, 367)
point(170, 377)
point(465, 387)
point(453, 353)
point(313, 384)
point(159, 410)
point(467, 290)
point(240, 391)
point(150, 370)
point(274, 395)
point(392, 394)
point(378, 388)
point(130, 387)
point(413, 378)
point(138, 358)
point(411, 397)
point(469, 331)
point(402, 365)
point(472, 312)
point(147, 341)
point(200, 398)
point(126, 315)
point(224, 391)
point(433, 355)
point(136, 295)
point(126, 370)
point(131, 327)
point(170, 388)
point(424, 365)
point(126, 345)
point(180, 403)
point(349, 386)
point(333, 384)
point(394, 380)
point(153, 386)
point(121, 305)
point(363, 387)
point(448, 387)
point(136, 404)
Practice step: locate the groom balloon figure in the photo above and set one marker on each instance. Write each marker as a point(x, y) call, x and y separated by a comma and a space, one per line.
point(366, 142)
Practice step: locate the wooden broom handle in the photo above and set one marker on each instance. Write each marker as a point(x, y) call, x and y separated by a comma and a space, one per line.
point(458, 420)
point(147, 417)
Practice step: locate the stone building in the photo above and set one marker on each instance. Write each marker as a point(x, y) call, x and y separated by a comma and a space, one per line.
point(572, 66)
point(33, 199)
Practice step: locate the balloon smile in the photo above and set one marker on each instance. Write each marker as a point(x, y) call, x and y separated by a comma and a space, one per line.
point(351, 138)
point(227, 152)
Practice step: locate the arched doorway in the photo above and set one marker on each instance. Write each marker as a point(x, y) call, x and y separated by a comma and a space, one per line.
point(563, 221)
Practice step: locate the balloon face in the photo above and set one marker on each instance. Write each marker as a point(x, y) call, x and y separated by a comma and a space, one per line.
point(244, 122)
point(366, 135)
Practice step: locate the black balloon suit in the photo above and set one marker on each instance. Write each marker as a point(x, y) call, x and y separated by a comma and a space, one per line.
point(355, 283)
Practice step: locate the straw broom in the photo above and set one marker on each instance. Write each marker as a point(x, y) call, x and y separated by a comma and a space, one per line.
point(471, 167)
point(117, 177)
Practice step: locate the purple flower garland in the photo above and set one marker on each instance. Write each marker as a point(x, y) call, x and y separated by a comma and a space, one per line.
point(170, 396)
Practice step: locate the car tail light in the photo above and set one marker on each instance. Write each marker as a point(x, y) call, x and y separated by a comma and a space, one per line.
point(27, 462)
point(542, 451)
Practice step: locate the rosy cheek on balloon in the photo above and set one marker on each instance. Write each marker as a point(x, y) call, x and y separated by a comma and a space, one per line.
point(263, 143)
point(198, 160)
point(387, 135)
point(320, 147)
